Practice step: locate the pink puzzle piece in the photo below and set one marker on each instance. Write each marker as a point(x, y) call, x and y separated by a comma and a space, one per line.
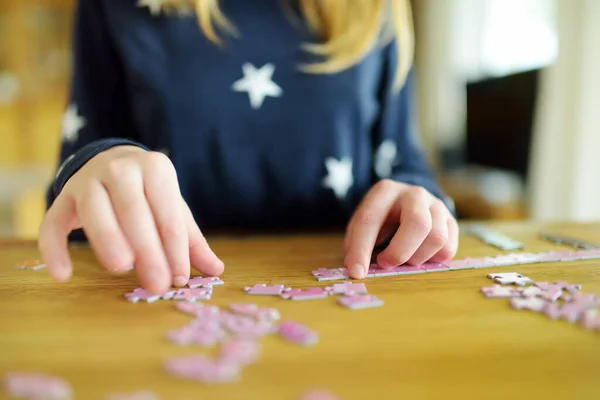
point(246, 309)
point(570, 312)
point(318, 394)
point(203, 369)
point(548, 256)
point(268, 315)
point(198, 309)
point(550, 294)
point(569, 287)
point(534, 304)
point(305, 294)
point(349, 288)
point(146, 395)
point(408, 269)
point(298, 333)
point(199, 281)
point(260, 289)
point(36, 386)
point(466, 263)
point(356, 302)
point(583, 298)
point(508, 278)
point(140, 294)
point(376, 271)
point(241, 351)
point(498, 291)
point(206, 336)
point(192, 295)
point(330, 274)
point(246, 328)
point(434, 267)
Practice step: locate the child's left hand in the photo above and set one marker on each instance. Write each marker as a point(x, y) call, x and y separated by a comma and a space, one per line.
point(420, 226)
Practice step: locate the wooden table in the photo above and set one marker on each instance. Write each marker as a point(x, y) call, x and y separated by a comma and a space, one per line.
point(436, 336)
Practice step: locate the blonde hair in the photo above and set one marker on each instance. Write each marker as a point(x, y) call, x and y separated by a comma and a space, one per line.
point(348, 29)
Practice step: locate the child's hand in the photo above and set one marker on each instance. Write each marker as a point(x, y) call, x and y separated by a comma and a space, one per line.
point(420, 226)
point(127, 201)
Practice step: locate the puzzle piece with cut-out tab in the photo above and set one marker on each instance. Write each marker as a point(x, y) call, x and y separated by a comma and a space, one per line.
point(305, 294)
point(205, 336)
point(375, 271)
point(528, 303)
point(569, 287)
point(360, 301)
point(31, 265)
point(349, 288)
point(298, 333)
point(551, 294)
point(330, 274)
point(261, 289)
point(590, 320)
point(499, 291)
point(507, 278)
point(570, 312)
point(247, 328)
point(203, 369)
point(433, 267)
point(205, 282)
point(240, 351)
point(408, 270)
point(192, 295)
point(140, 294)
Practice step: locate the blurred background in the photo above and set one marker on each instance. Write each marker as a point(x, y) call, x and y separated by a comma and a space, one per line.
point(509, 105)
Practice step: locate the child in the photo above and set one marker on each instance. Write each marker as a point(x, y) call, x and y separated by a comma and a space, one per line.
point(273, 115)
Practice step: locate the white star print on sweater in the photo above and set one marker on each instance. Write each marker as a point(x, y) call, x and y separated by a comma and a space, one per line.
point(385, 158)
point(153, 6)
point(339, 176)
point(72, 123)
point(257, 83)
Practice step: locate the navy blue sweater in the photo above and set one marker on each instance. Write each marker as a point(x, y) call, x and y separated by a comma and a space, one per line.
point(256, 143)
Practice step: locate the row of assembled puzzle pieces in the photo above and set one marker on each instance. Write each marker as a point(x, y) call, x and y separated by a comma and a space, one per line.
point(557, 300)
point(330, 274)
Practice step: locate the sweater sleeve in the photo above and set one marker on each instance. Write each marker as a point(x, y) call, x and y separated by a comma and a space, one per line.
point(398, 152)
point(98, 115)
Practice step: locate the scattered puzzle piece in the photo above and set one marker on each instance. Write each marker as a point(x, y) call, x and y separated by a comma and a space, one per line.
point(498, 291)
point(192, 295)
point(305, 294)
point(550, 293)
point(260, 289)
point(36, 386)
point(356, 302)
point(240, 351)
point(528, 303)
point(203, 369)
point(246, 309)
point(318, 394)
point(508, 278)
point(569, 287)
point(205, 336)
point(247, 328)
point(32, 265)
point(199, 281)
point(268, 315)
point(589, 320)
point(298, 333)
point(333, 274)
point(140, 294)
point(349, 288)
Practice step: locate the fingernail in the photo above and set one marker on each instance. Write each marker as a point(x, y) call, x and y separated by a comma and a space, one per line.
point(357, 270)
point(180, 281)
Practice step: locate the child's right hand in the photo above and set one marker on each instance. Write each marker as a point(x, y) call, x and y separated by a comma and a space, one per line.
point(127, 201)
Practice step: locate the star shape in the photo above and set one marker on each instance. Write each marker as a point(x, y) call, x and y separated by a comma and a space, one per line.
point(258, 83)
point(385, 158)
point(339, 176)
point(72, 123)
point(154, 6)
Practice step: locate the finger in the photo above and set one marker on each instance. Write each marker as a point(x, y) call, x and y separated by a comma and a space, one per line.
point(365, 226)
point(437, 237)
point(415, 224)
point(53, 236)
point(202, 257)
point(102, 229)
point(449, 250)
point(164, 199)
point(126, 189)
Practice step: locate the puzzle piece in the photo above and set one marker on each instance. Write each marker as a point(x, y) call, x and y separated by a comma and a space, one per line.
point(246, 309)
point(349, 288)
point(505, 260)
point(485, 262)
point(247, 328)
point(590, 321)
point(570, 312)
point(330, 274)
point(203, 369)
point(433, 267)
point(32, 265)
point(36, 386)
point(408, 269)
point(551, 294)
point(205, 336)
point(146, 395)
point(198, 310)
point(268, 315)
point(534, 304)
point(525, 258)
point(376, 271)
point(583, 298)
point(298, 333)
point(199, 281)
point(140, 294)
point(465, 263)
point(192, 295)
point(508, 278)
point(589, 254)
point(569, 241)
point(356, 302)
point(569, 287)
point(305, 294)
point(498, 291)
point(241, 351)
point(495, 239)
point(260, 289)
point(548, 256)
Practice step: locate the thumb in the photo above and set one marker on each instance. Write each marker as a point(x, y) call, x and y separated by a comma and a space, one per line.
point(202, 258)
point(54, 230)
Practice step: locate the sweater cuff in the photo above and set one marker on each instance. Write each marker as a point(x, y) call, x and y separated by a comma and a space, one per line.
point(78, 159)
